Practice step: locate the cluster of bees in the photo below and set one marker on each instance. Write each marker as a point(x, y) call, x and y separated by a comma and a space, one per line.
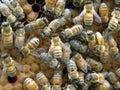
point(68, 46)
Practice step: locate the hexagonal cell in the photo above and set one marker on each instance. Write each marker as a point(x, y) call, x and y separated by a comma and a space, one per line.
point(36, 7)
point(31, 1)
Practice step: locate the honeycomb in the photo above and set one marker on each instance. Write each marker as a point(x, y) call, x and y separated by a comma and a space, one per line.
point(35, 9)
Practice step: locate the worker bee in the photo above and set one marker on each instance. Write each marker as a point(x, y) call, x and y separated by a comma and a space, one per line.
point(42, 81)
point(111, 42)
point(95, 65)
point(66, 53)
point(81, 63)
point(73, 31)
point(19, 36)
point(99, 38)
point(46, 58)
point(9, 66)
point(29, 47)
point(57, 81)
point(60, 5)
point(113, 25)
point(105, 56)
point(50, 5)
point(95, 77)
point(53, 26)
point(12, 19)
point(67, 13)
point(35, 25)
point(78, 46)
point(4, 10)
point(87, 13)
point(16, 8)
point(57, 47)
point(118, 72)
point(30, 84)
point(117, 2)
point(71, 66)
point(78, 3)
point(114, 52)
point(105, 85)
point(104, 11)
point(75, 77)
point(69, 87)
point(112, 78)
point(99, 49)
point(91, 39)
point(7, 35)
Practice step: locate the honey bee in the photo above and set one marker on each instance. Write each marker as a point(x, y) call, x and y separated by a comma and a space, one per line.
point(54, 63)
point(69, 87)
point(73, 31)
point(42, 81)
point(112, 78)
point(118, 72)
point(105, 56)
point(99, 38)
point(113, 25)
point(57, 46)
point(46, 58)
point(104, 11)
point(95, 65)
point(4, 9)
point(91, 39)
point(35, 25)
point(95, 77)
point(29, 47)
point(105, 85)
point(67, 13)
point(50, 5)
point(117, 2)
point(16, 8)
point(99, 49)
point(87, 14)
point(78, 3)
point(7, 35)
point(9, 66)
point(57, 81)
point(66, 52)
point(81, 63)
point(78, 46)
point(76, 78)
point(30, 84)
point(111, 42)
point(60, 5)
point(53, 26)
point(19, 36)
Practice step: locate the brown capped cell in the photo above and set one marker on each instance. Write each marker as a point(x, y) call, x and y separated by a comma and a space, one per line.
point(32, 16)
point(8, 86)
point(27, 8)
point(22, 2)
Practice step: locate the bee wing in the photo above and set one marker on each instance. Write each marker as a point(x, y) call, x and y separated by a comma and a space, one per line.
point(35, 53)
point(18, 66)
point(80, 16)
point(51, 49)
point(3, 72)
point(97, 17)
point(82, 13)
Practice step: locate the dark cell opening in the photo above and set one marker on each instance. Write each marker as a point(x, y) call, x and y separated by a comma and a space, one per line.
point(12, 79)
point(31, 1)
point(36, 8)
point(40, 1)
